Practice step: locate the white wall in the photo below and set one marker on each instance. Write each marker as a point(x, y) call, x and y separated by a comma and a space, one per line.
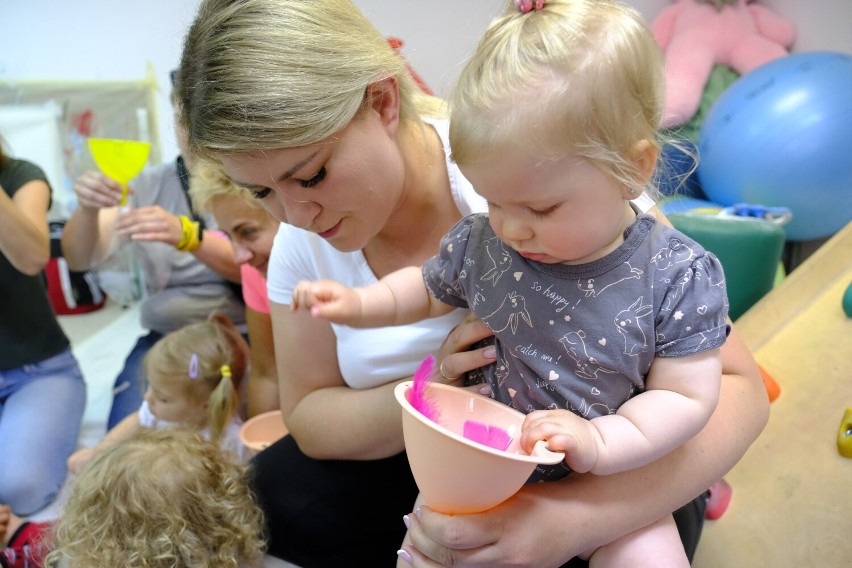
point(116, 39)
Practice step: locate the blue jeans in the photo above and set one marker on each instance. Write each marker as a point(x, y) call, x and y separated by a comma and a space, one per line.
point(41, 411)
point(130, 384)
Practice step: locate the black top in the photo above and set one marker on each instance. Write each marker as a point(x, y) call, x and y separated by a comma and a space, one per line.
point(29, 330)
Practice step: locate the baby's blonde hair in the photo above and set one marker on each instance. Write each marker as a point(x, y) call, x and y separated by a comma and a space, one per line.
point(214, 343)
point(263, 74)
point(584, 76)
point(161, 499)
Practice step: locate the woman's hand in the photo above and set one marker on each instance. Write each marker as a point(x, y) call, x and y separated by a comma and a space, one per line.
point(95, 190)
point(455, 357)
point(500, 537)
point(150, 224)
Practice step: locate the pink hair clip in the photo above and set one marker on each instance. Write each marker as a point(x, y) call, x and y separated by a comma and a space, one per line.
point(193, 367)
point(527, 6)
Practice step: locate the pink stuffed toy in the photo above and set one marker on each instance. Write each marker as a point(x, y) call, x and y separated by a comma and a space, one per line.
point(698, 34)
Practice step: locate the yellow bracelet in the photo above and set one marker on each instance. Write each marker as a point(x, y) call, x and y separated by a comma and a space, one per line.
point(190, 238)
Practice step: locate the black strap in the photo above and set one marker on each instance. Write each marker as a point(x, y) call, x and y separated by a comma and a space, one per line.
point(183, 176)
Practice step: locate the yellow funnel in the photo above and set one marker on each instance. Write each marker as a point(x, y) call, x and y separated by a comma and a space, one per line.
point(122, 160)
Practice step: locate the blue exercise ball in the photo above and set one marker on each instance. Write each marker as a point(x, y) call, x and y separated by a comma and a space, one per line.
point(781, 136)
point(677, 170)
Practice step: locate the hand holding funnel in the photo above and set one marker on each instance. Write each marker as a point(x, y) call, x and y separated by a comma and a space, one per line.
point(121, 160)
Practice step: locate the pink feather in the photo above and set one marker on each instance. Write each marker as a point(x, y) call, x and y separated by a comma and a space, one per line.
point(417, 391)
point(491, 436)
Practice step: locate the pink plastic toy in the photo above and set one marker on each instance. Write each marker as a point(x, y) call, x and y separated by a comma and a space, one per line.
point(488, 435)
point(263, 430)
point(454, 473)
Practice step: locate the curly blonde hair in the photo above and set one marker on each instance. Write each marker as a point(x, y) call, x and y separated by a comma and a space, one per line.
point(161, 499)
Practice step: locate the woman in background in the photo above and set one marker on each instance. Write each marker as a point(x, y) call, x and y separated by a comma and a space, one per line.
point(251, 230)
point(42, 393)
point(188, 267)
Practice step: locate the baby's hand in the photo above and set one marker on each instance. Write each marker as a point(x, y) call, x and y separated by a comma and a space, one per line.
point(565, 432)
point(326, 299)
point(80, 459)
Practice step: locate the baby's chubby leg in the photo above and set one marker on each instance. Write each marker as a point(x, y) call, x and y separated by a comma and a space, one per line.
point(658, 545)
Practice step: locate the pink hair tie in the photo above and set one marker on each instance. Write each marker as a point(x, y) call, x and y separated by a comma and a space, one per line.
point(527, 6)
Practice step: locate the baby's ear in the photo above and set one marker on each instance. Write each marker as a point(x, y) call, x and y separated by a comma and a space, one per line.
point(644, 154)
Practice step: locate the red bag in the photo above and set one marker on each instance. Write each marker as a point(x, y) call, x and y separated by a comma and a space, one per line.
point(70, 292)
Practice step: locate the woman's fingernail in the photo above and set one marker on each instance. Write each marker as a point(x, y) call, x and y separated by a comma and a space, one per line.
point(418, 513)
point(490, 353)
point(407, 520)
point(402, 553)
point(485, 389)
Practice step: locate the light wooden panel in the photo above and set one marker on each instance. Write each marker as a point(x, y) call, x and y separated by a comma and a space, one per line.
point(792, 503)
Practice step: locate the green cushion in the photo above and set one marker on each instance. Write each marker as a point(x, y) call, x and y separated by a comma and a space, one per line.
point(748, 248)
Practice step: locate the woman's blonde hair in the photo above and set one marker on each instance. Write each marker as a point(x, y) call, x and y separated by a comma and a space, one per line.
point(161, 499)
point(584, 76)
point(262, 74)
point(209, 182)
point(194, 358)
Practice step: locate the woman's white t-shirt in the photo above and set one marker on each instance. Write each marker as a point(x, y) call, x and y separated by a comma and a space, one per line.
point(369, 357)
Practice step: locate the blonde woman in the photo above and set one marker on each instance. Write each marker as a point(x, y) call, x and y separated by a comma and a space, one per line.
point(251, 230)
point(304, 103)
point(607, 323)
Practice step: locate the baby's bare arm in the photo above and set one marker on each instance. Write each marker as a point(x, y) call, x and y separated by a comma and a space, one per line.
point(680, 396)
point(397, 299)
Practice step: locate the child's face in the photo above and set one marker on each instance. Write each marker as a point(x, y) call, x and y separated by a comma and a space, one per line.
point(171, 403)
point(554, 211)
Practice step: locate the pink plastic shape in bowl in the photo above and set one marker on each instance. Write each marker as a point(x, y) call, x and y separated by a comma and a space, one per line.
point(263, 430)
point(457, 475)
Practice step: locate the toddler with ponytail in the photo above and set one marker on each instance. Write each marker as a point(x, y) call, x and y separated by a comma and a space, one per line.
point(193, 377)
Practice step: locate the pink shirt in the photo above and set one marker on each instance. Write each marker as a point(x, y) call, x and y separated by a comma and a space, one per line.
point(254, 289)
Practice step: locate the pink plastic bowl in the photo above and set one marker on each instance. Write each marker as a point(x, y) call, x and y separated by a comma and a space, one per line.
point(457, 475)
point(263, 430)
